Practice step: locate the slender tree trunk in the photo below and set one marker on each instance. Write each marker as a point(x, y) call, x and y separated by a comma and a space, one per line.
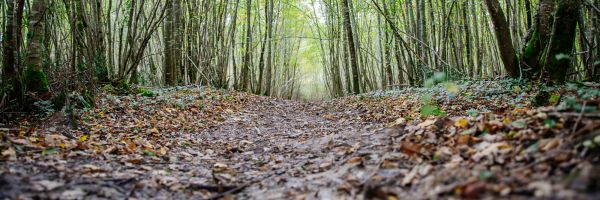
point(248, 50)
point(503, 38)
point(269, 67)
point(10, 51)
point(351, 48)
point(169, 64)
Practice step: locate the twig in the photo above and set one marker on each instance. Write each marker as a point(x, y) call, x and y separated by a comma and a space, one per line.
point(579, 118)
point(574, 114)
point(592, 6)
point(376, 170)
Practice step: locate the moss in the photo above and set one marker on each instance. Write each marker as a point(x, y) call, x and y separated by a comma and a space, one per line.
point(36, 81)
point(542, 98)
point(559, 55)
point(528, 51)
point(531, 54)
point(101, 68)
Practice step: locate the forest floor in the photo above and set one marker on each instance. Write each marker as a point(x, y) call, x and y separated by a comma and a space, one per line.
point(483, 141)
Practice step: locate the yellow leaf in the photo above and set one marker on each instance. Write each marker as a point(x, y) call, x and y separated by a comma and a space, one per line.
point(163, 151)
point(506, 121)
point(462, 123)
point(154, 131)
point(83, 138)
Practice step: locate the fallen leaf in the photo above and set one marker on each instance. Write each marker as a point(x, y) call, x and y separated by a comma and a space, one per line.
point(48, 185)
point(462, 123)
point(408, 178)
point(355, 160)
point(409, 148)
point(427, 123)
point(551, 144)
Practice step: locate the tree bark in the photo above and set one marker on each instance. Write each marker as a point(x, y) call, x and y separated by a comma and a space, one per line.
point(10, 50)
point(503, 38)
point(351, 47)
point(560, 50)
point(248, 51)
point(537, 40)
point(35, 77)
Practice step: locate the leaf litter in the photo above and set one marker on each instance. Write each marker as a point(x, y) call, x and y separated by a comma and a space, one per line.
point(202, 143)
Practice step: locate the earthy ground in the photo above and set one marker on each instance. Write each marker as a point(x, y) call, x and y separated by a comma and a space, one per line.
point(206, 144)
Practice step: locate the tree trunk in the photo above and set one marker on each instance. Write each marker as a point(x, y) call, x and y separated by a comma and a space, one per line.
point(560, 50)
point(169, 66)
point(172, 40)
point(34, 75)
point(351, 47)
point(537, 40)
point(248, 51)
point(503, 38)
point(269, 66)
point(10, 50)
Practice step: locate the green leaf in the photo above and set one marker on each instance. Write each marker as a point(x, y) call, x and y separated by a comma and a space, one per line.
point(49, 151)
point(485, 174)
point(554, 99)
point(519, 124)
point(533, 148)
point(84, 102)
point(429, 110)
point(550, 123)
point(587, 109)
point(149, 153)
point(472, 112)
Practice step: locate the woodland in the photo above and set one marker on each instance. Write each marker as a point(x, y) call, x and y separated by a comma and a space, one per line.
point(299, 99)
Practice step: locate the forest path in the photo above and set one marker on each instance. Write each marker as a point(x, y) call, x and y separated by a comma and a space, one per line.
point(201, 143)
point(266, 149)
point(298, 148)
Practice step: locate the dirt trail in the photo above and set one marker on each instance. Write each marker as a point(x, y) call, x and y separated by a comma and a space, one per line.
point(195, 143)
point(271, 149)
point(294, 146)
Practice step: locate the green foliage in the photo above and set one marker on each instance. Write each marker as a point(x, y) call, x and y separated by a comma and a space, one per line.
point(49, 151)
point(519, 124)
point(85, 103)
point(550, 123)
point(429, 105)
point(541, 99)
point(146, 92)
point(44, 108)
point(575, 103)
point(149, 153)
point(101, 68)
point(431, 110)
point(485, 174)
point(472, 112)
